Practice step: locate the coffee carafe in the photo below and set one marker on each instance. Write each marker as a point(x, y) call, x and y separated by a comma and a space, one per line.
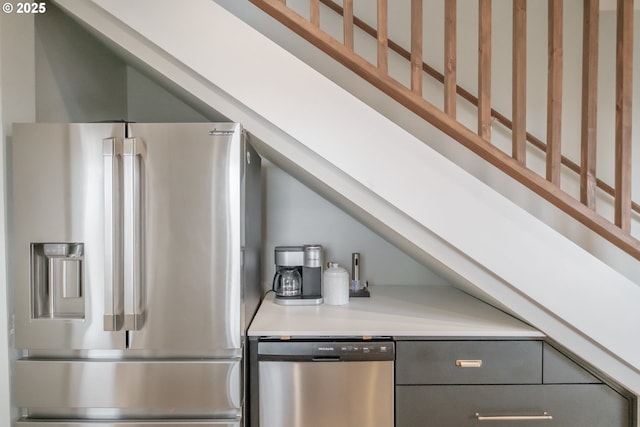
point(287, 282)
point(298, 275)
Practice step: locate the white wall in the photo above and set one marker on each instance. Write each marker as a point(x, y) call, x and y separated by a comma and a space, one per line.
point(17, 103)
point(501, 94)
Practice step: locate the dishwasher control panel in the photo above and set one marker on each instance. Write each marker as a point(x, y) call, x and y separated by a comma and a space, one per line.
point(326, 350)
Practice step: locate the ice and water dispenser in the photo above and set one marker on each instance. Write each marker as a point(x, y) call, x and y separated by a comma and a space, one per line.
point(56, 280)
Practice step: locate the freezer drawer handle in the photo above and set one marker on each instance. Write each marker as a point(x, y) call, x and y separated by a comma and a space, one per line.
point(133, 151)
point(545, 416)
point(113, 306)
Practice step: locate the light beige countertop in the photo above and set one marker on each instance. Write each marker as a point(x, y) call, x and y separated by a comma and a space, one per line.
point(421, 311)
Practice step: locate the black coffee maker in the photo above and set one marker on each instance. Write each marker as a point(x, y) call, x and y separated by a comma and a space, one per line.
point(298, 276)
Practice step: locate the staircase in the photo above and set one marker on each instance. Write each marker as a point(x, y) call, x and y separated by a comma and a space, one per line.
point(382, 175)
point(479, 140)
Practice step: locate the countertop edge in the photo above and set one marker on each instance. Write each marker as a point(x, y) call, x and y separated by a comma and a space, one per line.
point(396, 311)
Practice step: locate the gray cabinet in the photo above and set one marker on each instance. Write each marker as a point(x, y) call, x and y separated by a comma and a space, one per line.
point(500, 383)
point(559, 369)
point(469, 362)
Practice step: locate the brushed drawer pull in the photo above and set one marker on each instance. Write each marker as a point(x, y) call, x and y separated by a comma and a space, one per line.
point(469, 363)
point(544, 416)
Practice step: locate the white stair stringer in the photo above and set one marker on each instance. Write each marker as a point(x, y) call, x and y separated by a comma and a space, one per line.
point(382, 175)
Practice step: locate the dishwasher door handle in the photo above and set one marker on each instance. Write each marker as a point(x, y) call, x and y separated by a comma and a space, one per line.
point(325, 359)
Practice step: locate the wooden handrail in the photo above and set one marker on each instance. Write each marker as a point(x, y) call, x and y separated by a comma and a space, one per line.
point(449, 125)
point(469, 97)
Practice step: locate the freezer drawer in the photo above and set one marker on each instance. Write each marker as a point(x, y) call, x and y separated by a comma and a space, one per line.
point(205, 389)
point(98, 423)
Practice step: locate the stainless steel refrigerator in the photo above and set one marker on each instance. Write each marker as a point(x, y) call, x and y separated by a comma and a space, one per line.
point(134, 262)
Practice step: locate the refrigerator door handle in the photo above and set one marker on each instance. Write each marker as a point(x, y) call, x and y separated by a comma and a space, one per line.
point(133, 152)
point(113, 306)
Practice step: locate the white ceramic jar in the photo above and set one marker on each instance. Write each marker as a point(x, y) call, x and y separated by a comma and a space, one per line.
point(336, 285)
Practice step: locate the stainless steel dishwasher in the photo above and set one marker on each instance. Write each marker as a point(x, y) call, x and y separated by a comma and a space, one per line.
point(326, 383)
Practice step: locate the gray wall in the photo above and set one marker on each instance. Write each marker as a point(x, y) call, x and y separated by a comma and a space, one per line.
point(77, 79)
point(149, 102)
point(297, 215)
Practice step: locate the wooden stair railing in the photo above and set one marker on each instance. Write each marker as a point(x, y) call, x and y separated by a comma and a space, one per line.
point(555, 88)
point(479, 140)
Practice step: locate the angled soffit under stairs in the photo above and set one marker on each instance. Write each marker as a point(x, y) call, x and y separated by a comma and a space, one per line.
point(381, 174)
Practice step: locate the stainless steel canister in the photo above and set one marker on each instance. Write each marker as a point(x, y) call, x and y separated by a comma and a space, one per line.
point(312, 256)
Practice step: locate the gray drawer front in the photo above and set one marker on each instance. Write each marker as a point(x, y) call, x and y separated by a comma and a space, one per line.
point(503, 362)
point(576, 405)
point(559, 369)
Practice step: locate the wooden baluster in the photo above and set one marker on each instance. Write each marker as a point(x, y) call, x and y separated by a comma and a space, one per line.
point(383, 38)
point(589, 102)
point(624, 80)
point(450, 57)
point(416, 46)
point(484, 70)
point(554, 93)
point(519, 82)
point(347, 23)
point(314, 12)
